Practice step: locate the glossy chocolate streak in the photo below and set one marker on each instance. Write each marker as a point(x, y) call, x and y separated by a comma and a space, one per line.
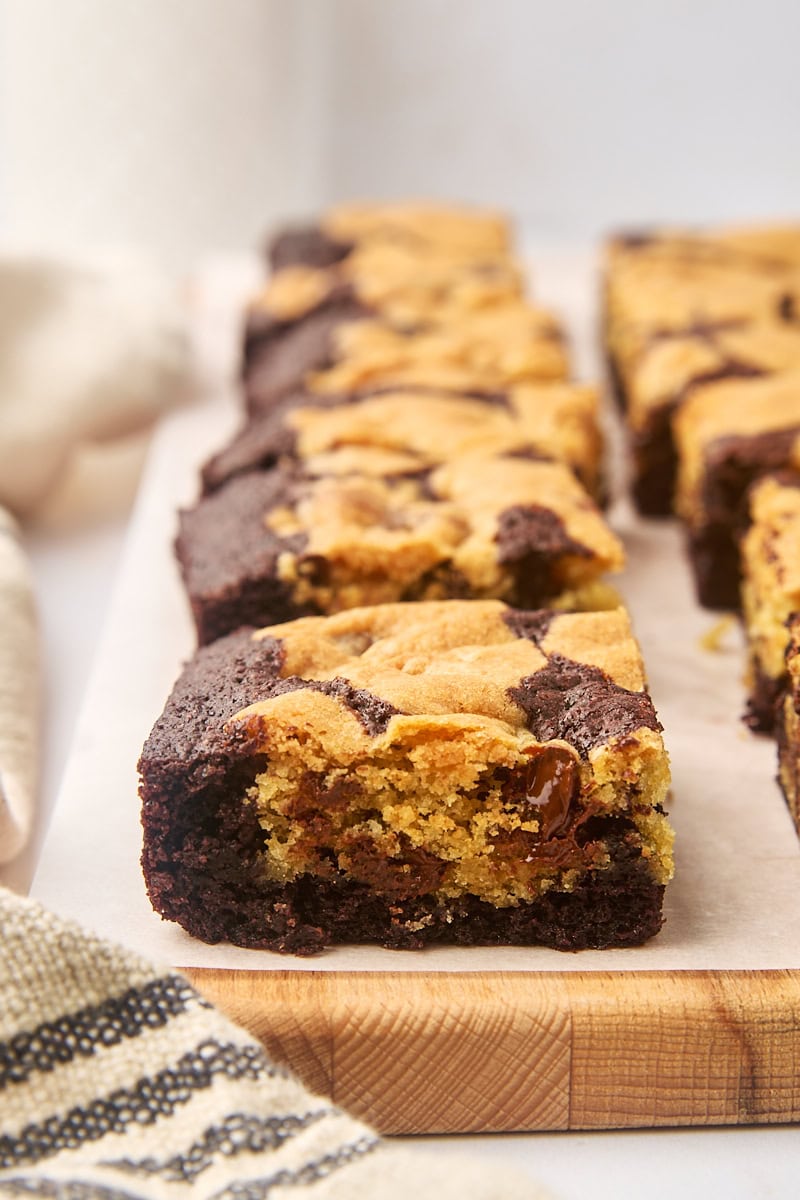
point(580, 704)
point(552, 784)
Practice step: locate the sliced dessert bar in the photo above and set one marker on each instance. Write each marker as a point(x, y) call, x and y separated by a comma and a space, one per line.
point(486, 350)
point(559, 421)
point(291, 327)
point(673, 365)
point(366, 524)
point(677, 311)
point(770, 591)
point(788, 723)
point(409, 774)
point(334, 235)
point(728, 435)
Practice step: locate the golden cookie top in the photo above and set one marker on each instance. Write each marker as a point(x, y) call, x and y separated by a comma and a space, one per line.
point(460, 665)
point(403, 285)
point(460, 229)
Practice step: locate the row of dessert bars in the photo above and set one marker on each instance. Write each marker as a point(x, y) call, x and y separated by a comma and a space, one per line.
point(703, 337)
point(410, 434)
point(481, 765)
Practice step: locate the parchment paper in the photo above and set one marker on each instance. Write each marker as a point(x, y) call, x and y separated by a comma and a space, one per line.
point(734, 901)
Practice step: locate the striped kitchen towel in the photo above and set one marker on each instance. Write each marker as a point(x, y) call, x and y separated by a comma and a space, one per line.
point(118, 1081)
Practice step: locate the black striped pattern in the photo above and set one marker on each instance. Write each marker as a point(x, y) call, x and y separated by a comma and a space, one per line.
point(251, 1189)
point(238, 1134)
point(310, 1172)
point(83, 1033)
point(143, 1104)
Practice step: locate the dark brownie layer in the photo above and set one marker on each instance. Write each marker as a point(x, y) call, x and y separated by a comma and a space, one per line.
point(279, 354)
point(261, 442)
point(228, 556)
point(529, 538)
point(766, 696)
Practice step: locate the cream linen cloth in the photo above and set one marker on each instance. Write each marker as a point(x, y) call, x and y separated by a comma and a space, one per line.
point(119, 1082)
point(87, 354)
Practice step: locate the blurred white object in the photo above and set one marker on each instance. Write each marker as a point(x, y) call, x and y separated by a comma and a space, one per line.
point(189, 125)
point(87, 354)
point(19, 693)
point(180, 126)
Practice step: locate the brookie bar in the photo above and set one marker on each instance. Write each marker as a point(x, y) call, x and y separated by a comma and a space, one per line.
point(294, 326)
point(728, 435)
point(411, 774)
point(366, 524)
point(682, 310)
point(487, 350)
point(558, 421)
point(770, 591)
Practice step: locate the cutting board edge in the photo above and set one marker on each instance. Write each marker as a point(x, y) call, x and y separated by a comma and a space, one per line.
point(469, 1052)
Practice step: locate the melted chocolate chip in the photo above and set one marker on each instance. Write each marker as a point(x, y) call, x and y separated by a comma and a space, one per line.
point(552, 784)
point(580, 704)
point(416, 872)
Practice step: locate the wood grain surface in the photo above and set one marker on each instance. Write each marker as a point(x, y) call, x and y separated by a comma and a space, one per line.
point(505, 1051)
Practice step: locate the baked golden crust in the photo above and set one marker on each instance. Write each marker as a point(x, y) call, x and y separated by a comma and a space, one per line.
point(486, 350)
point(670, 366)
point(462, 230)
point(558, 421)
point(386, 536)
point(398, 283)
point(685, 309)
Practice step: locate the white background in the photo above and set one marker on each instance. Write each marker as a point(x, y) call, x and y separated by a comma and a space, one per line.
point(186, 124)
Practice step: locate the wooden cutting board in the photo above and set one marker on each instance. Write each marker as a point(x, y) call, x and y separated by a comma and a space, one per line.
point(522, 1051)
